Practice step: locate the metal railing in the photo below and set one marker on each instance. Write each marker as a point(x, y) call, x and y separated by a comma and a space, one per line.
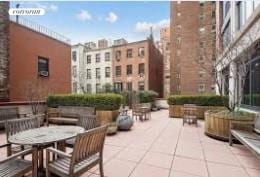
point(39, 28)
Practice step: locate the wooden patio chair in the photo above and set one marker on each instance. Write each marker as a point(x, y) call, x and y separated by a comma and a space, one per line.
point(15, 126)
point(13, 166)
point(87, 152)
point(189, 114)
point(137, 112)
point(87, 122)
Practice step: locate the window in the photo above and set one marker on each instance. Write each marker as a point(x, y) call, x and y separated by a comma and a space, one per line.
point(118, 71)
point(141, 85)
point(118, 86)
point(178, 75)
point(238, 15)
point(178, 27)
point(213, 14)
point(129, 86)
point(74, 56)
point(129, 69)
point(226, 7)
point(227, 35)
point(74, 71)
point(75, 87)
point(202, 3)
point(88, 59)
point(98, 73)
point(141, 52)
point(129, 53)
point(178, 14)
point(97, 58)
point(98, 88)
point(118, 55)
point(202, 30)
point(141, 68)
point(43, 67)
point(201, 44)
point(201, 88)
point(88, 73)
point(89, 88)
point(178, 88)
point(107, 56)
point(107, 72)
point(252, 85)
point(178, 40)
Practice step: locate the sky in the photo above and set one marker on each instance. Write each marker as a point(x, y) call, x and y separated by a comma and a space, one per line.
point(90, 21)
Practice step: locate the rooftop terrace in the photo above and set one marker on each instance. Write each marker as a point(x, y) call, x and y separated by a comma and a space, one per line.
point(162, 147)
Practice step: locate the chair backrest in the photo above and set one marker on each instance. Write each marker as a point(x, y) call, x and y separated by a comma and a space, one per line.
point(88, 121)
point(87, 144)
point(8, 113)
point(189, 109)
point(257, 123)
point(18, 125)
point(75, 111)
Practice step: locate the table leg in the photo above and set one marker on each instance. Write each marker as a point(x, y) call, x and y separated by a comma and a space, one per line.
point(40, 160)
point(61, 146)
point(35, 162)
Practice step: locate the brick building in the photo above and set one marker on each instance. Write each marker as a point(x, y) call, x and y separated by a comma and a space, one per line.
point(37, 58)
point(164, 46)
point(37, 62)
point(192, 47)
point(137, 66)
point(4, 51)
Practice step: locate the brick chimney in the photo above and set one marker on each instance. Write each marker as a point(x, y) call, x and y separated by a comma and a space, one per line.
point(4, 51)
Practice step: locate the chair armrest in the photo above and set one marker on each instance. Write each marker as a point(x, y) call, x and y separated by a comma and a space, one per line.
point(22, 115)
point(25, 152)
point(58, 152)
point(5, 145)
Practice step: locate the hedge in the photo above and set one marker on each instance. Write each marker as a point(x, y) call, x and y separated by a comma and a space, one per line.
point(106, 101)
point(146, 96)
point(201, 100)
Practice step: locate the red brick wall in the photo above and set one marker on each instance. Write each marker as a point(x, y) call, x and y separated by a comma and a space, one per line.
point(25, 47)
point(186, 64)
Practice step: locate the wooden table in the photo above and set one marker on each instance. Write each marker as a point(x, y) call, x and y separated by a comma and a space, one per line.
point(41, 137)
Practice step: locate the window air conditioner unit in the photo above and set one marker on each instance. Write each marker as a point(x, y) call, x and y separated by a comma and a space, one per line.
point(44, 73)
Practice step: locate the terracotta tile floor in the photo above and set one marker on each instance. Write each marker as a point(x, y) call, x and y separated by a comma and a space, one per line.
point(162, 147)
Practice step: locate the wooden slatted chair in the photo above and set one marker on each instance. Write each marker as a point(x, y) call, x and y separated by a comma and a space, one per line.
point(13, 166)
point(87, 152)
point(87, 122)
point(18, 125)
point(189, 114)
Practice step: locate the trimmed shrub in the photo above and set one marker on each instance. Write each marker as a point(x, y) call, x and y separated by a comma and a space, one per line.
point(106, 101)
point(200, 100)
point(146, 96)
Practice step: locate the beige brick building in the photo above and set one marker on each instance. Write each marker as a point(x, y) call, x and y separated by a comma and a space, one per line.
point(192, 47)
point(164, 46)
point(4, 51)
point(137, 66)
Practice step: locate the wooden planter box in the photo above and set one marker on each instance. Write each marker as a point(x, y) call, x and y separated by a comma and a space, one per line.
point(176, 111)
point(218, 126)
point(104, 117)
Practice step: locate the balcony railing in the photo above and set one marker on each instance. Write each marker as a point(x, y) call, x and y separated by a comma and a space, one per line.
point(39, 28)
